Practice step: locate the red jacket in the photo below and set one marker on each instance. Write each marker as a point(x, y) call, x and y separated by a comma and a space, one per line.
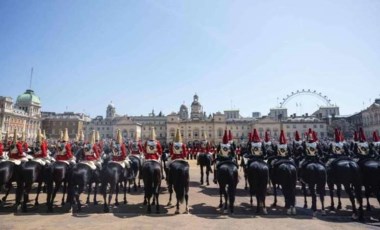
point(43, 152)
point(123, 154)
point(91, 155)
point(1, 149)
point(67, 156)
point(25, 146)
point(154, 156)
point(174, 156)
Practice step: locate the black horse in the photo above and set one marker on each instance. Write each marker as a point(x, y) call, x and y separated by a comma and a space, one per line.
point(82, 175)
point(151, 172)
point(113, 174)
point(205, 161)
point(179, 179)
point(227, 176)
point(313, 174)
point(284, 172)
point(7, 176)
point(344, 171)
point(59, 173)
point(258, 176)
point(369, 166)
point(136, 168)
point(31, 172)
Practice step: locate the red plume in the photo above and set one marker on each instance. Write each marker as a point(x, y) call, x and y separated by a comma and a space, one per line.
point(315, 136)
point(229, 135)
point(255, 137)
point(282, 138)
point(362, 137)
point(266, 136)
point(337, 136)
point(375, 137)
point(356, 138)
point(225, 137)
point(297, 136)
point(341, 136)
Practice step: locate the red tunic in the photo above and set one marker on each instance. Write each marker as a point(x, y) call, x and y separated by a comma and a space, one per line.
point(25, 146)
point(123, 154)
point(91, 155)
point(1, 149)
point(43, 152)
point(183, 155)
point(67, 156)
point(154, 156)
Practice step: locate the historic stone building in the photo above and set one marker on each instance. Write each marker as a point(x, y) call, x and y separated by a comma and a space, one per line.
point(24, 115)
point(53, 123)
point(195, 125)
point(371, 119)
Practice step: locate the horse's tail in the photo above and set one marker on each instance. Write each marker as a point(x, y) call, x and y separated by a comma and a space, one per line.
point(148, 181)
point(181, 184)
point(232, 185)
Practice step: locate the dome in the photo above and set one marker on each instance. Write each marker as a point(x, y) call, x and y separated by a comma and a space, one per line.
point(28, 98)
point(183, 107)
point(111, 105)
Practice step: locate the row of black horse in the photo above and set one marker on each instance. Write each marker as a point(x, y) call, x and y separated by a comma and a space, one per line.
point(348, 168)
point(80, 177)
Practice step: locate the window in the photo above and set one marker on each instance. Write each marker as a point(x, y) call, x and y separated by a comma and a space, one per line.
point(321, 126)
point(315, 126)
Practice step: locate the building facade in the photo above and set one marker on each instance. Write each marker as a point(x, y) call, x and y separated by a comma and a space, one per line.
point(24, 115)
point(55, 123)
point(371, 119)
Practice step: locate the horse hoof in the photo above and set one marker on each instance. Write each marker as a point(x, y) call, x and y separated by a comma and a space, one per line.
point(245, 188)
point(265, 211)
point(332, 208)
point(294, 211)
point(176, 211)
point(169, 204)
point(220, 205)
point(339, 207)
point(96, 202)
point(323, 212)
point(305, 206)
point(3, 199)
point(289, 212)
point(87, 202)
point(314, 213)
point(208, 183)
point(354, 217)
point(274, 205)
point(106, 209)
point(116, 203)
point(187, 211)
point(36, 203)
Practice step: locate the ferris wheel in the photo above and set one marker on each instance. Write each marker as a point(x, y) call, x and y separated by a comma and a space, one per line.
point(308, 92)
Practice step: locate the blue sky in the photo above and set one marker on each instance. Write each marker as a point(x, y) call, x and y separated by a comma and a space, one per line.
point(144, 54)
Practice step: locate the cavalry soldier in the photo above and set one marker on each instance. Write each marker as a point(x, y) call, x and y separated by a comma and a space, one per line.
point(136, 150)
point(282, 153)
point(361, 148)
point(41, 150)
point(204, 148)
point(152, 148)
point(254, 148)
point(64, 150)
point(225, 152)
point(119, 155)
point(177, 149)
point(311, 151)
point(91, 154)
point(376, 141)
point(16, 153)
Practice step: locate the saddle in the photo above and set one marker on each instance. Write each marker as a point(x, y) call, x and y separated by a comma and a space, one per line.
point(229, 161)
point(90, 164)
point(333, 161)
point(277, 162)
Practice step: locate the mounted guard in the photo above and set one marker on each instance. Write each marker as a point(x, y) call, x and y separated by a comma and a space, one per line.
point(225, 153)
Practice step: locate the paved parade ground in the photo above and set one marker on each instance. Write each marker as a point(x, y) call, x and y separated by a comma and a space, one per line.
point(204, 213)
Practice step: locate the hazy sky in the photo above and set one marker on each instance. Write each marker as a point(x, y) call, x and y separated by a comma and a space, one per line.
point(145, 54)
